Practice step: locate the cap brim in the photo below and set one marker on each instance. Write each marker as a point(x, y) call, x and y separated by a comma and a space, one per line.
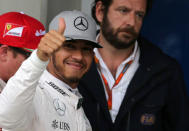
point(90, 42)
point(21, 50)
point(28, 50)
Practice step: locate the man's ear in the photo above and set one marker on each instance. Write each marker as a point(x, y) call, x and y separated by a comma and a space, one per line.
point(4, 52)
point(99, 11)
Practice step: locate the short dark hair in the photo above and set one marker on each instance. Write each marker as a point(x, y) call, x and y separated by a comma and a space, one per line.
point(107, 3)
point(17, 50)
point(20, 51)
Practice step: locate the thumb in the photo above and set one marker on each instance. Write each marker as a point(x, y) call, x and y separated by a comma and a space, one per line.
point(61, 26)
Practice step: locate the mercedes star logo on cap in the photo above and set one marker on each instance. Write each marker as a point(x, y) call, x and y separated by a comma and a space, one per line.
point(81, 23)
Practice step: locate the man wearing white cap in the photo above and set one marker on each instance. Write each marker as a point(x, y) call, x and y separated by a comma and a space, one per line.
point(19, 35)
point(44, 95)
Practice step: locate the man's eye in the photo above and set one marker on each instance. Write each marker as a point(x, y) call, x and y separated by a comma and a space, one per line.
point(68, 46)
point(123, 10)
point(88, 49)
point(140, 15)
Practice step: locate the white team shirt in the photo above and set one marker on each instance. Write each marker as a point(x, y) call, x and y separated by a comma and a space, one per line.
point(34, 100)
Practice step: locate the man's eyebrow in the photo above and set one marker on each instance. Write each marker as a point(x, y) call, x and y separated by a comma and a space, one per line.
point(141, 11)
point(123, 7)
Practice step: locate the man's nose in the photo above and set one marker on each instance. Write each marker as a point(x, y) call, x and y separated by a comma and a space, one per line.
point(130, 19)
point(77, 54)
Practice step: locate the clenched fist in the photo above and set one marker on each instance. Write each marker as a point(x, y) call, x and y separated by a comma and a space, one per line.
point(51, 42)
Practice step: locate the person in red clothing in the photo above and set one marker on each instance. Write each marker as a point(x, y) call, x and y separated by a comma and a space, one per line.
point(19, 36)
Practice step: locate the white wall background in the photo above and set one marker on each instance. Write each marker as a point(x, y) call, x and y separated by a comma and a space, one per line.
point(86, 6)
point(44, 10)
point(34, 8)
point(56, 6)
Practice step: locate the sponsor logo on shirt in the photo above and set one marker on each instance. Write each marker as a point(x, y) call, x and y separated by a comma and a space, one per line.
point(60, 125)
point(61, 91)
point(59, 106)
point(147, 119)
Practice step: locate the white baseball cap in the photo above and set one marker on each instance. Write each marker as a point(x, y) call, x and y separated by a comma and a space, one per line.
point(79, 26)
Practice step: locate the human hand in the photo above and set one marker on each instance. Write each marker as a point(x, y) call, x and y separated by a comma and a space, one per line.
point(51, 42)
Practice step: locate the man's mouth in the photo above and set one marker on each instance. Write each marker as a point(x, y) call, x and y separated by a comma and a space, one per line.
point(75, 65)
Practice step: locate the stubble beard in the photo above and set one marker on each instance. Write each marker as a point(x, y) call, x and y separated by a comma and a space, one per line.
point(61, 76)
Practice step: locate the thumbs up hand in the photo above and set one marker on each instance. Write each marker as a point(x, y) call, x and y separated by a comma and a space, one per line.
point(61, 26)
point(51, 42)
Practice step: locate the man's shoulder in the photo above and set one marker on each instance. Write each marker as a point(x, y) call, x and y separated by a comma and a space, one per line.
point(151, 52)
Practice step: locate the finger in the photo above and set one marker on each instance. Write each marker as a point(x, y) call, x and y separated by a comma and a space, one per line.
point(62, 26)
point(51, 43)
point(56, 37)
point(44, 54)
point(45, 49)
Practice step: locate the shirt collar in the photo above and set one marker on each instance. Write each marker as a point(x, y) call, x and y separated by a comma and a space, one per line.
point(48, 76)
point(74, 93)
point(2, 84)
point(60, 83)
point(131, 57)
